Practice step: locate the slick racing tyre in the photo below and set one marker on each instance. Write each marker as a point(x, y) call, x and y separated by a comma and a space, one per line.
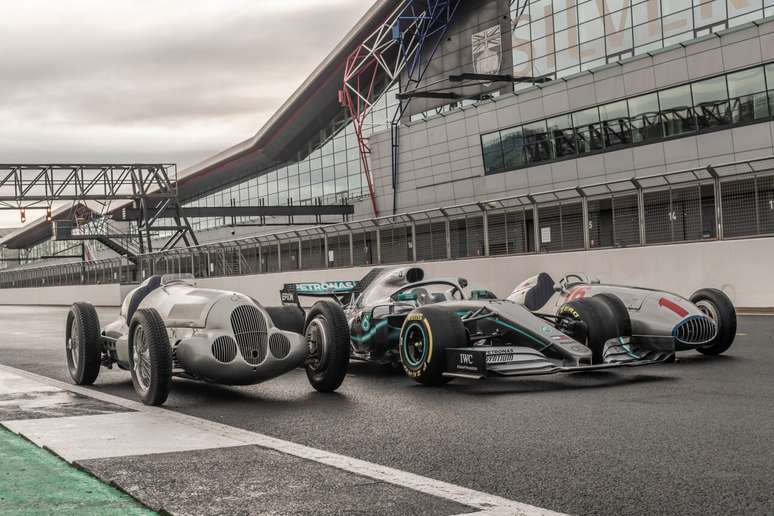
point(83, 344)
point(327, 335)
point(716, 305)
point(150, 356)
point(287, 318)
point(605, 317)
point(426, 334)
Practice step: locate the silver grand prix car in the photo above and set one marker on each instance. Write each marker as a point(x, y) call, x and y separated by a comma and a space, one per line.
point(169, 327)
point(705, 322)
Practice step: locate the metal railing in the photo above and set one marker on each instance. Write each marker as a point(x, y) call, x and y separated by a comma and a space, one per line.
point(734, 200)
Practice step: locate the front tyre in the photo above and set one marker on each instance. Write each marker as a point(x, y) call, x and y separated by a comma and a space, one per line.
point(716, 305)
point(150, 356)
point(426, 334)
point(327, 335)
point(83, 344)
point(604, 317)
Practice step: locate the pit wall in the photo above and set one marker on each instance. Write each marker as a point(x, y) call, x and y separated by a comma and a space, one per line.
point(741, 268)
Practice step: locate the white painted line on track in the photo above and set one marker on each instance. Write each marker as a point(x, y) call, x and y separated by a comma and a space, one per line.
point(489, 504)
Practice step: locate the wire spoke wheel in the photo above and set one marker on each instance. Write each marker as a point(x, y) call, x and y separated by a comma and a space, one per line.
point(141, 363)
point(73, 344)
point(83, 345)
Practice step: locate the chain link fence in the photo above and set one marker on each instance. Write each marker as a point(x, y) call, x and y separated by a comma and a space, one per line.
point(715, 202)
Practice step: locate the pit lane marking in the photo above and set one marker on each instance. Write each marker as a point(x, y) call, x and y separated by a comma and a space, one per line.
point(487, 504)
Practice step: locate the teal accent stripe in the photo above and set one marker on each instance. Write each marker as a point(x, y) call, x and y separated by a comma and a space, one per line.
point(519, 331)
point(370, 333)
point(463, 313)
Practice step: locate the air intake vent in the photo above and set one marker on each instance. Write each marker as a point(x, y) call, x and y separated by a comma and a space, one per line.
point(224, 349)
point(249, 328)
point(695, 330)
point(279, 345)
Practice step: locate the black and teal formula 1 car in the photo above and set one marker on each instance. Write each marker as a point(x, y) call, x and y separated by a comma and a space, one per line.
point(437, 333)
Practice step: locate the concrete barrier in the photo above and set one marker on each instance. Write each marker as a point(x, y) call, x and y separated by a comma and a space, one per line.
point(98, 295)
point(738, 267)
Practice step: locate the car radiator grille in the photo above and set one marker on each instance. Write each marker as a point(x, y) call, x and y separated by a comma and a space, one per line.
point(695, 330)
point(224, 349)
point(249, 328)
point(279, 345)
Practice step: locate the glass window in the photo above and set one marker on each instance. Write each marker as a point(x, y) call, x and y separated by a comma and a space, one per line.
point(537, 144)
point(770, 85)
point(562, 136)
point(673, 6)
point(565, 19)
point(677, 110)
point(493, 153)
point(588, 11)
point(588, 130)
point(710, 100)
point(592, 30)
point(513, 148)
point(567, 58)
point(747, 90)
point(592, 53)
point(615, 124)
point(738, 8)
point(709, 13)
point(543, 28)
point(676, 24)
point(645, 119)
point(619, 42)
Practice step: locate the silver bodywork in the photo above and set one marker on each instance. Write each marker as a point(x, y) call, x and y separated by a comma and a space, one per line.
point(659, 318)
point(216, 335)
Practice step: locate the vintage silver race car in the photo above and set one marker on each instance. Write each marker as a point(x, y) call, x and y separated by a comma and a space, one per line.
point(705, 322)
point(437, 333)
point(169, 327)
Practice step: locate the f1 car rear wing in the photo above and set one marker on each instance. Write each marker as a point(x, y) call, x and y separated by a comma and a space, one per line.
point(341, 291)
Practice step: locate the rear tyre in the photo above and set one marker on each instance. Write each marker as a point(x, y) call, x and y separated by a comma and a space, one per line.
point(716, 305)
point(150, 356)
point(605, 317)
point(426, 334)
point(327, 335)
point(287, 318)
point(83, 344)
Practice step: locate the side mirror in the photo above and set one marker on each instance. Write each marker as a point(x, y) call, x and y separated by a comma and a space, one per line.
point(463, 282)
point(406, 296)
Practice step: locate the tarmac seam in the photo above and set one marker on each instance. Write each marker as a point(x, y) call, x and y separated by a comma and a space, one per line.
point(488, 503)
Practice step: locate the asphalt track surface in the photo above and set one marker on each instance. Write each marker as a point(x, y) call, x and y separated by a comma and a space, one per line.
point(696, 437)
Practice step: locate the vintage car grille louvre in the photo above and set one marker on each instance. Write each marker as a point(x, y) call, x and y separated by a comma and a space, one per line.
point(224, 349)
point(279, 345)
point(695, 330)
point(249, 328)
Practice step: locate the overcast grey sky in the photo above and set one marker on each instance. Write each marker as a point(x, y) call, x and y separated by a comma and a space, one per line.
point(153, 80)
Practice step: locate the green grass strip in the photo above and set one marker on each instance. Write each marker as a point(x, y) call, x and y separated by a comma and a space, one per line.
point(36, 482)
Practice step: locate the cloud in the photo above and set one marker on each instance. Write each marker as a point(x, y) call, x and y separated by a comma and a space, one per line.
point(153, 80)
